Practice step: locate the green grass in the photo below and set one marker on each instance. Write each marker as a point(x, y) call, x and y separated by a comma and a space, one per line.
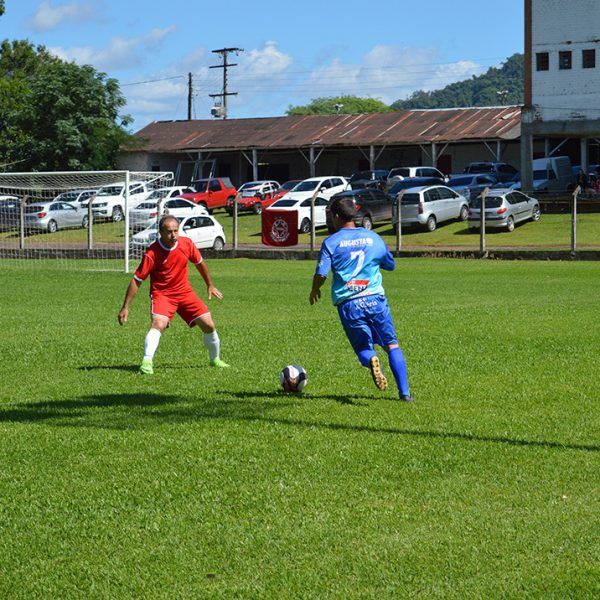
point(204, 483)
point(553, 231)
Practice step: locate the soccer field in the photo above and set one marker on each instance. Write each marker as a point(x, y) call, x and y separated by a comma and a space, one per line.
point(202, 483)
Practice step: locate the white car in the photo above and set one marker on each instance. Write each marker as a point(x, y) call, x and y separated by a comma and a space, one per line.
point(146, 213)
point(401, 173)
point(258, 188)
point(204, 230)
point(172, 191)
point(109, 202)
point(77, 198)
point(299, 197)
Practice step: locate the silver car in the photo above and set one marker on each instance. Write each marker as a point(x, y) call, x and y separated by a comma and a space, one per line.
point(503, 209)
point(429, 205)
point(50, 216)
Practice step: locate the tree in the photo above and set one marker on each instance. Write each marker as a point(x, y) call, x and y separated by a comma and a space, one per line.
point(480, 90)
point(1, 7)
point(346, 105)
point(56, 115)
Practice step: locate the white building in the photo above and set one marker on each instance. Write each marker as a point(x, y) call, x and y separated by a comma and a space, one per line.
point(562, 75)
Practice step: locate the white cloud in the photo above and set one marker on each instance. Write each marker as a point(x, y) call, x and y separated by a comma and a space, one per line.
point(49, 17)
point(119, 54)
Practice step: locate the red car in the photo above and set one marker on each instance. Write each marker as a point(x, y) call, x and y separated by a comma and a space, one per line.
point(212, 193)
point(254, 196)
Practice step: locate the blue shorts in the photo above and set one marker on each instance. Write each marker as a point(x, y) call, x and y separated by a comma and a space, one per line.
point(367, 320)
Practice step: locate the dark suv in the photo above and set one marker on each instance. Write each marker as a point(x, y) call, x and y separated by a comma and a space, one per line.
point(502, 171)
point(373, 206)
point(369, 179)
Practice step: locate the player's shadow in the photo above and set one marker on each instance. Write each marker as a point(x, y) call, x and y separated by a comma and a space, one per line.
point(349, 399)
point(130, 368)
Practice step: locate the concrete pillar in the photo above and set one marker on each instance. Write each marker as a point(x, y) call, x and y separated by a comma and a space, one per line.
point(526, 161)
point(372, 157)
point(584, 155)
point(312, 162)
point(498, 150)
point(254, 164)
point(433, 154)
point(546, 147)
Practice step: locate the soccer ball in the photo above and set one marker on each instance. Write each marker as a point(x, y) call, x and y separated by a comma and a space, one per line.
point(293, 378)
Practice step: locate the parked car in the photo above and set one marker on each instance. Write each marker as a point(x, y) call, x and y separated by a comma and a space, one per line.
point(373, 206)
point(10, 212)
point(400, 173)
point(300, 196)
point(431, 205)
point(470, 186)
point(146, 213)
point(204, 230)
point(76, 197)
point(109, 201)
point(502, 171)
point(285, 188)
point(369, 179)
point(254, 196)
point(212, 193)
point(411, 182)
point(51, 216)
point(503, 209)
point(173, 191)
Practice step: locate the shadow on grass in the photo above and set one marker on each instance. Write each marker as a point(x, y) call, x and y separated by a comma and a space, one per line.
point(151, 409)
point(131, 368)
point(342, 399)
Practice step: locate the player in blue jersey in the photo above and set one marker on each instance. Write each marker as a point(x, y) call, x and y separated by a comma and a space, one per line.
point(355, 256)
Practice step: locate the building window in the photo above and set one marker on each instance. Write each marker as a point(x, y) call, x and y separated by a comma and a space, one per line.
point(542, 60)
point(588, 59)
point(155, 168)
point(565, 59)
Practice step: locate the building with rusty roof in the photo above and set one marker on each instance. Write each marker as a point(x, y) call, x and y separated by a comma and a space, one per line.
point(296, 147)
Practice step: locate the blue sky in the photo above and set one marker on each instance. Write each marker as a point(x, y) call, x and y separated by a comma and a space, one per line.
point(292, 51)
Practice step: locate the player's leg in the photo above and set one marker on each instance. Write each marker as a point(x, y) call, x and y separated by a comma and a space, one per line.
point(196, 314)
point(384, 334)
point(161, 312)
point(359, 335)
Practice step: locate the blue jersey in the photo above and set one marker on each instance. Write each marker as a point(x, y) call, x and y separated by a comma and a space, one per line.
point(355, 256)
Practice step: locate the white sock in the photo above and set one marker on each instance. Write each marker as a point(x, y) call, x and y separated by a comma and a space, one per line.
point(151, 343)
point(213, 343)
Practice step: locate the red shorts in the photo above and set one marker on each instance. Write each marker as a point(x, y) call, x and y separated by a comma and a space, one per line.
point(188, 306)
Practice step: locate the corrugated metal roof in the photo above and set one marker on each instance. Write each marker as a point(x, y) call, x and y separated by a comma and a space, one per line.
point(272, 133)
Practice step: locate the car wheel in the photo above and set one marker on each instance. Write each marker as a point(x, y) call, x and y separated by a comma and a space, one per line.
point(305, 226)
point(464, 213)
point(85, 222)
point(257, 208)
point(117, 214)
point(535, 215)
point(218, 244)
point(229, 211)
point(510, 224)
point(431, 223)
point(367, 223)
point(52, 226)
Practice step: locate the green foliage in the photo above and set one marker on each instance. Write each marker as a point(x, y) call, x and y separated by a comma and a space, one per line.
point(478, 91)
point(1, 7)
point(202, 483)
point(56, 115)
point(350, 105)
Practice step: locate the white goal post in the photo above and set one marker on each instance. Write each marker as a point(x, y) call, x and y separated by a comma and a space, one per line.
point(73, 219)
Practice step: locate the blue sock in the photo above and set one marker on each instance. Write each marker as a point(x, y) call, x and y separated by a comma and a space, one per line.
point(365, 357)
point(398, 367)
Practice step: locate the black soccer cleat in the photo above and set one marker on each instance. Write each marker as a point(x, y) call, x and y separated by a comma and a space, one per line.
point(377, 374)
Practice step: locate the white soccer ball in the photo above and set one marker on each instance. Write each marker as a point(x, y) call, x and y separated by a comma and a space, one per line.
point(293, 378)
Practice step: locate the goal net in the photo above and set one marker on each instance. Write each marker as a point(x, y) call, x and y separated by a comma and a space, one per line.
point(74, 220)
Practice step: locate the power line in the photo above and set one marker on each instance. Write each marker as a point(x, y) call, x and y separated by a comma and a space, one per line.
point(153, 80)
point(224, 52)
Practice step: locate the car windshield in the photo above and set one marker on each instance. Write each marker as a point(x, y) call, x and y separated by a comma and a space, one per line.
point(6, 204)
point(479, 168)
point(146, 205)
point(249, 185)
point(284, 203)
point(361, 175)
point(201, 184)
point(307, 186)
point(288, 185)
point(490, 202)
point(402, 172)
point(68, 196)
point(411, 199)
point(540, 174)
point(158, 194)
point(34, 209)
point(110, 190)
point(459, 181)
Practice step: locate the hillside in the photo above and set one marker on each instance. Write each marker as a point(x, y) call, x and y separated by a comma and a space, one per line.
point(480, 90)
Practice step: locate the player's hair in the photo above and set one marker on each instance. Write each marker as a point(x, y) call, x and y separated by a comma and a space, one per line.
point(344, 208)
point(164, 220)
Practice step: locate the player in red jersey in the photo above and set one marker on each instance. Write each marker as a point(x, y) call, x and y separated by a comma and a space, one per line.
point(165, 261)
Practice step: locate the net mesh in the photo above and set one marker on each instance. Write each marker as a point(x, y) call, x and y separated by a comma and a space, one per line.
point(77, 220)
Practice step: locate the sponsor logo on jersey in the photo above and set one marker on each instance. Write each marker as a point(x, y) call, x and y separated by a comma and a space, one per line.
point(357, 285)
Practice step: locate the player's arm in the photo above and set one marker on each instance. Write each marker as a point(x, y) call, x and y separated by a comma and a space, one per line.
point(211, 289)
point(132, 290)
point(387, 261)
point(315, 292)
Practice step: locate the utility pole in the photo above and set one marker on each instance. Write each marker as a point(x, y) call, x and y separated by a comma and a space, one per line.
point(224, 53)
point(190, 94)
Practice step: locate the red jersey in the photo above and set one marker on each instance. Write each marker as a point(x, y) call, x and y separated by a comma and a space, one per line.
point(167, 267)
